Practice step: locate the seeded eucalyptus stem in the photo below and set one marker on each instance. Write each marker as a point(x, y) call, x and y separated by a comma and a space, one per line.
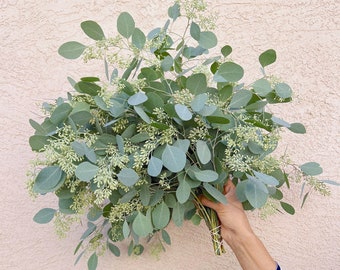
point(211, 220)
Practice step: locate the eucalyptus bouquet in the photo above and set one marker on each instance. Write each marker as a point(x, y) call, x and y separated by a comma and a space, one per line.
point(168, 121)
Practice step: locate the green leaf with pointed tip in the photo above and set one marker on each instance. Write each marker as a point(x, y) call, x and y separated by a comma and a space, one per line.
point(85, 171)
point(155, 166)
point(128, 177)
point(60, 113)
point(167, 63)
point(145, 195)
point(125, 24)
point(71, 49)
point(173, 158)
point(229, 72)
point(240, 99)
point(178, 214)
point(92, 262)
point(142, 225)
point(262, 87)
point(166, 237)
point(268, 57)
point(44, 216)
point(114, 249)
point(126, 229)
point(183, 112)
point(311, 168)
point(203, 151)
point(288, 208)
point(138, 38)
point(49, 179)
point(81, 118)
point(207, 40)
point(226, 50)
point(215, 193)
point(195, 31)
point(89, 88)
point(266, 179)
point(183, 191)
point(197, 83)
point(92, 30)
point(161, 216)
point(142, 114)
point(217, 119)
point(283, 90)
point(297, 128)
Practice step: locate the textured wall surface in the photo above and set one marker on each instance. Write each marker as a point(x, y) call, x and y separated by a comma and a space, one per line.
point(306, 36)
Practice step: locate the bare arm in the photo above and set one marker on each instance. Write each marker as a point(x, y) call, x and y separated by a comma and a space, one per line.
point(237, 232)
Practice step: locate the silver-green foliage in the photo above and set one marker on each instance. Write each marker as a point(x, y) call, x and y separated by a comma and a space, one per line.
point(135, 150)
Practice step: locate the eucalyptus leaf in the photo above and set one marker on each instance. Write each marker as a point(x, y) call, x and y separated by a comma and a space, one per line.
point(142, 225)
point(155, 166)
point(183, 191)
point(297, 128)
point(288, 208)
point(207, 40)
point(137, 99)
point(203, 151)
point(311, 168)
point(128, 177)
point(44, 216)
point(37, 142)
point(262, 87)
point(86, 171)
point(283, 90)
point(125, 24)
point(92, 30)
point(174, 11)
point(71, 49)
point(266, 179)
point(166, 237)
point(215, 193)
point(206, 175)
point(197, 104)
point(183, 112)
point(229, 72)
point(178, 214)
point(139, 110)
point(60, 113)
point(92, 262)
point(173, 158)
point(49, 179)
point(195, 31)
point(126, 229)
point(268, 57)
point(161, 216)
point(256, 193)
point(114, 249)
point(240, 99)
point(138, 38)
point(226, 50)
point(197, 83)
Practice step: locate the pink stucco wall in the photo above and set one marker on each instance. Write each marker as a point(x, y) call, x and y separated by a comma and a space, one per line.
point(305, 34)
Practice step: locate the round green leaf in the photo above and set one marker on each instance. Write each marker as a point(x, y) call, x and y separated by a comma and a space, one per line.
point(183, 112)
point(71, 50)
point(142, 225)
point(173, 158)
point(197, 83)
point(138, 38)
point(128, 177)
point(137, 99)
point(262, 87)
point(266, 179)
point(37, 142)
point(81, 118)
point(92, 30)
point(226, 50)
point(174, 11)
point(161, 216)
point(207, 40)
point(49, 179)
point(311, 168)
point(155, 166)
point(195, 31)
point(229, 72)
point(197, 104)
point(283, 90)
point(268, 57)
point(203, 151)
point(125, 24)
point(167, 63)
point(85, 171)
point(256, 193)
point(45, 215)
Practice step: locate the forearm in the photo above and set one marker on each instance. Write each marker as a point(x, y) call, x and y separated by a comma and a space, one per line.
point(251, 253)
